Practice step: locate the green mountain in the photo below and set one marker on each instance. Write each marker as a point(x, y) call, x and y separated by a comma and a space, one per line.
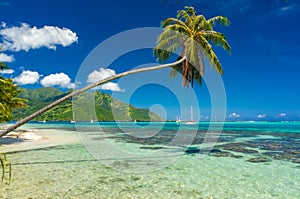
point(98, 106)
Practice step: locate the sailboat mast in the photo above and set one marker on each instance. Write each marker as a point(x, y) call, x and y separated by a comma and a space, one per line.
point(192, 118)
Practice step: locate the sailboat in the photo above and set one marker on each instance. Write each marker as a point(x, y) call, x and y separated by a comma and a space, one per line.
point(72, 121)
point(178, 120)
point(192, 121)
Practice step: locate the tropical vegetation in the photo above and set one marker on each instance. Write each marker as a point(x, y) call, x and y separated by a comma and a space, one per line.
point(104, 104)
point(10, 99)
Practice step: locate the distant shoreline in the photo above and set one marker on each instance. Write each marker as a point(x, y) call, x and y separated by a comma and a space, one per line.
point(35, 135)
point(167, 120)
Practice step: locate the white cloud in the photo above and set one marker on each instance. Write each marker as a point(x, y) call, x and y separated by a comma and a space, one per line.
point(261, 116)
point(25, 37)
point(101, 74)
point(111, 86)
point(287, 9)
point(58, 79)
point(27, 77)
point(2, 24)
point(234, 115)
point(6, 58)
point(282, 115)
point(7, 71)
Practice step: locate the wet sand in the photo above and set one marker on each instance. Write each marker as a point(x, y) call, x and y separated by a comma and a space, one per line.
point(27, 139)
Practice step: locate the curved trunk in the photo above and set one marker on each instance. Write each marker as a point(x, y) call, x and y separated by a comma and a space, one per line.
point(57, 102)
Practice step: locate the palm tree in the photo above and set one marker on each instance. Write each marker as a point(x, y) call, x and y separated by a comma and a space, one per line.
point(9, 97)
point(188, 32)
point(88, 87)
point(191, 34)
point(2, 66)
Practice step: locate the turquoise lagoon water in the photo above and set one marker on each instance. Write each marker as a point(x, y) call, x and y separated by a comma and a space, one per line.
point(161, 160)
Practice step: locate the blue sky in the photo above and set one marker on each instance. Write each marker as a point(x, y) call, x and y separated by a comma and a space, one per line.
point(261, 76)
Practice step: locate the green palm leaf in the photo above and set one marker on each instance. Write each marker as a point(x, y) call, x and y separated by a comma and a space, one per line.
point(9, 98)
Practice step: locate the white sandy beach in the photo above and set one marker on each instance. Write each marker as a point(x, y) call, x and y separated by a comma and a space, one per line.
point(26, 139)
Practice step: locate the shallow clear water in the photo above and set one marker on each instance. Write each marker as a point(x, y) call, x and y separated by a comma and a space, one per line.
point(249, 160)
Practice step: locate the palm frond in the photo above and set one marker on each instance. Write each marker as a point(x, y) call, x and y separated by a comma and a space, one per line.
point(210, 54)
point(182, 14)
point(217, 39)
point(9, 98)
point(161, 55)
point(171, 21)
point(173, 31)
point(168, 42)
point(200, 23)
point(186, 15)
point(178, 29)
point(219, 19)
point(190, 10)
point(3, 66)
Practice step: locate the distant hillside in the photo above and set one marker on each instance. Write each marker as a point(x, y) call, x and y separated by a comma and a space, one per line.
point(105, 104)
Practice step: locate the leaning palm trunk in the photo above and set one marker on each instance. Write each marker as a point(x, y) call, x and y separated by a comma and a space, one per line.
point(57, 102)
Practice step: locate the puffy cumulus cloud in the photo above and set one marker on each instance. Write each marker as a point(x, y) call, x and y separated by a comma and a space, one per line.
point(25, 37)
point(6, 58)
point(234, 115)
point(7, 71)
point(101, 74)
point(261, 116)
point(58, 79)
point(111, 86)
point(27, 77)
